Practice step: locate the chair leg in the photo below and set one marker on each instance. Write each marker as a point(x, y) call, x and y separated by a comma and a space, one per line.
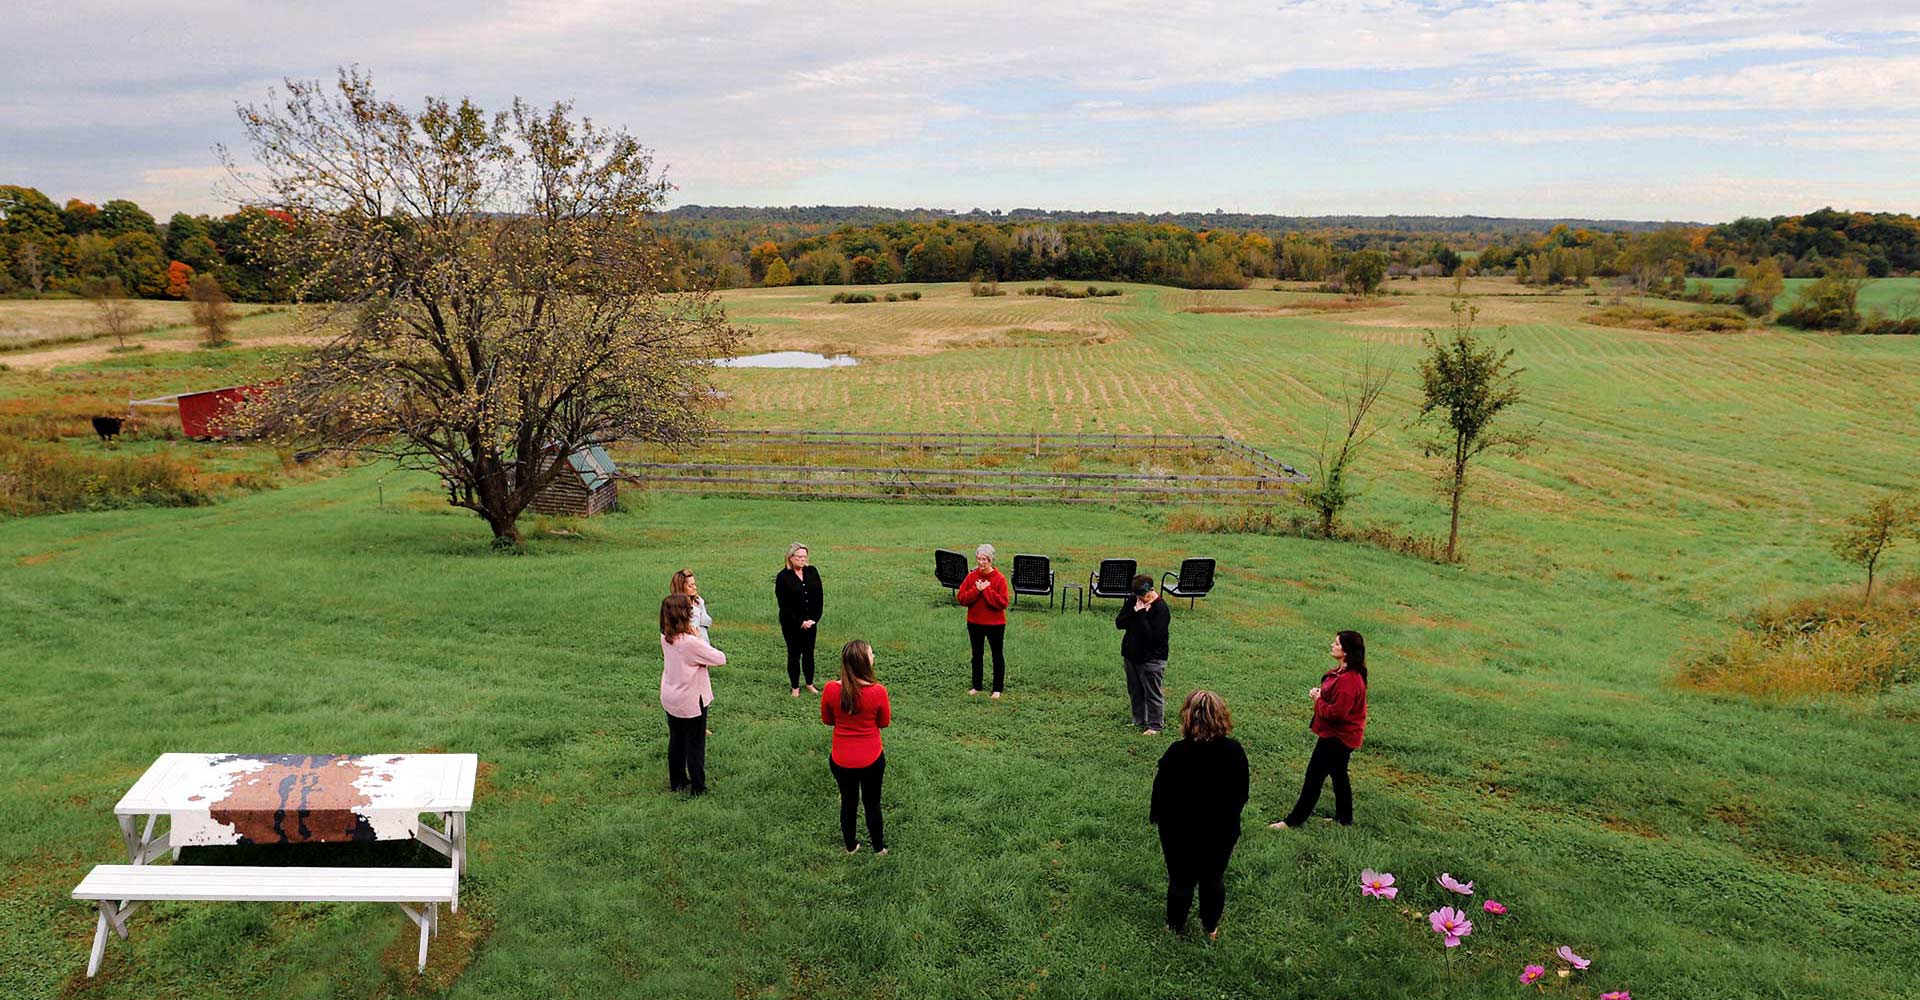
point(99, 942)
point(426, 929)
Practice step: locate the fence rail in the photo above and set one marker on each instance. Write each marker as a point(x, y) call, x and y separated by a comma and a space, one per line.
point(969, 441)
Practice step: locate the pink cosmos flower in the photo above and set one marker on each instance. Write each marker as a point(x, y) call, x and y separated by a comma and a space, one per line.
point(1532, 974)
point(1377, 884)
point(1621, 995)
point(1494, 907)
point(1451, 923)
point(1447, 881)
point(1566, 955)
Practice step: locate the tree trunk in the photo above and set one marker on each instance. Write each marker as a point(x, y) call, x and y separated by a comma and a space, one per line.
point(506, 530)
point(1870, 567)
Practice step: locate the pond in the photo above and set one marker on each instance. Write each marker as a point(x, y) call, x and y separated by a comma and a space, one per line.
point(789, 359)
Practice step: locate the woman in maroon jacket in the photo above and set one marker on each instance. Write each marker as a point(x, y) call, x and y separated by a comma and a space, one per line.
point(986, 596)
point(1340, 721)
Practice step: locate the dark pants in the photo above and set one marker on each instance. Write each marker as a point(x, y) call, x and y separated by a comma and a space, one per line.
point(799, 651)
point(1195, 864)
point(687, 752)
point(1329, 761)
point(857, 784)
point(995, 636)
point(1143, 692)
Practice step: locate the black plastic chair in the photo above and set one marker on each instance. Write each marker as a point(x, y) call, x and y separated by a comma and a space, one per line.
point(1114, 579)
point(1193, 581)
point(950, 568)
point(1033, 576)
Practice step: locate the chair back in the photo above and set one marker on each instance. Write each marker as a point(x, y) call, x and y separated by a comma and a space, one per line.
point(950, 568)
point(1115, 576)
point(1032, 575)
point(1196, 576)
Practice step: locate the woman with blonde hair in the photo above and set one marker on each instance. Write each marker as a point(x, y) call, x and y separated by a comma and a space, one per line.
point(796, 589)
point(1198, 793)
point(686, 692)
point(857, 708)
point(684, 583)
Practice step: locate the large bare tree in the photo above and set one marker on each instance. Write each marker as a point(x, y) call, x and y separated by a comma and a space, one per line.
point(493, 296)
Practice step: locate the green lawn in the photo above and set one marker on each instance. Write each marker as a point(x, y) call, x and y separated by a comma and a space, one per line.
point(1524, 733)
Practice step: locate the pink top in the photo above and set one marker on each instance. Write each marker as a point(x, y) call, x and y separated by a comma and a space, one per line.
point(685, 688)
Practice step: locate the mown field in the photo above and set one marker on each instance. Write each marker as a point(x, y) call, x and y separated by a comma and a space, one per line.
point(1525, 730)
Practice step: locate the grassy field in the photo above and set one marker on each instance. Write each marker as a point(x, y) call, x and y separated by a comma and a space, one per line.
point(28, 322)
point(1525, 732)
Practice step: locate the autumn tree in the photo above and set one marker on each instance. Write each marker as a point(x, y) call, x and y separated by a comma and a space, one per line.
point(1645, 258)
point(1760, 284)
point(212, 310)
point(497, 298)
point(1363, 272)
point(114, 310)
point(1467, 386)
point(1867, 535)
point(1831, 302)
point(179, 279)
point(760, 258)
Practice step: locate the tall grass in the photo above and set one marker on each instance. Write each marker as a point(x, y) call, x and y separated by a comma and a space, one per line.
point(1833, 645)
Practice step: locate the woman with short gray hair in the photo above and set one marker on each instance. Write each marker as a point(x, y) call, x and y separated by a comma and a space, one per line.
point(986, 595)
point(796, 589)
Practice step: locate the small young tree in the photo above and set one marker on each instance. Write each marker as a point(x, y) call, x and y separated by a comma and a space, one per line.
point(1760, 284)
point(1469, 384)
point(115, 310)
point(1867, 535)
point(212, 311)
point(1831, 302)
point(1332, 488)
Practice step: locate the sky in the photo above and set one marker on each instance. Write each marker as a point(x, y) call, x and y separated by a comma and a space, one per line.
point(1694, 110)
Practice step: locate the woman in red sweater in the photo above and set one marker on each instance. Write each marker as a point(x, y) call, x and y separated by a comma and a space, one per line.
point(1340, 721)
point(857, 708)
point(986, 596)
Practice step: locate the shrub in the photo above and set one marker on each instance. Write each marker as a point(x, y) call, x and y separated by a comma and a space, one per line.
point(910, 296)
point(1726, 272)
point(1880, 326)
point(38, 479)
point(1829, 303)
point(1814, 647)
point(1055, 290)
point(1299, 524)
point(891, 297)
point(1642, 318)
point(850, 297)
point(980, 287)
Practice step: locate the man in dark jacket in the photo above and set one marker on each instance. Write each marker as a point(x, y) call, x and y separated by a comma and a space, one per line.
point(1143, 651)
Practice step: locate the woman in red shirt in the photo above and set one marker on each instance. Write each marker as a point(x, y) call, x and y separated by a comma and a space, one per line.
point(1340, 721)
point(857, 708)
point(986, 596)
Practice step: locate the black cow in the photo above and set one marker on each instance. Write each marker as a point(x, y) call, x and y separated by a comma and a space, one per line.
point(107, 427)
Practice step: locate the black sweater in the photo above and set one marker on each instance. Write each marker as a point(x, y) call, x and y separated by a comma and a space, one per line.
point(1146, 637)
point(799, 598)
point(1199, 790)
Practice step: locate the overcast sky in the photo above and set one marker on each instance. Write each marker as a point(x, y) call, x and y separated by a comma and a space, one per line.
point(1648, 109)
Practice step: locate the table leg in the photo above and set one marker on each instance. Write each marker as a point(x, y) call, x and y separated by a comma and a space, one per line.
point(99, 942)
point(130, 837)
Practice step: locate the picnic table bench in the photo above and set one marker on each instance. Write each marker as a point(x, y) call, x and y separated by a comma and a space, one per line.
point(215, 799)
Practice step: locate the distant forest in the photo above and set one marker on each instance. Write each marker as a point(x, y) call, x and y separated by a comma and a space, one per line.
point(117, 248)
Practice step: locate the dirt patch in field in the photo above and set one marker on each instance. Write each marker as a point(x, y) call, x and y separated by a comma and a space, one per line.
point(447, 956)
point(1741, 813)
point(1618, 825)
point(83, 353)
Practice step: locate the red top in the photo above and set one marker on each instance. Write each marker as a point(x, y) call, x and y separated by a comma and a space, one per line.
point(989, 606)
point(1340, 713)
point(856, 735)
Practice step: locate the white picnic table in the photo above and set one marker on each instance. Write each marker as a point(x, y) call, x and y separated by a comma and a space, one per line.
point(211, 799)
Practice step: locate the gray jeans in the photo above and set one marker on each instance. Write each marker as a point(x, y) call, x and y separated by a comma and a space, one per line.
point(1143, 692)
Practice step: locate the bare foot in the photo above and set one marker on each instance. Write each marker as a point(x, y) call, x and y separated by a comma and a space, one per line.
point(1282, 825)
point(995, 696)
point(1213, 935)
point(972, 691)
point(855, 849)
point(813, 689)
point(796, 692)
point(881, 851)
point(1149, 732)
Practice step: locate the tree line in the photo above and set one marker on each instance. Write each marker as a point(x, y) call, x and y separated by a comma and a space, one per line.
point(118, 248)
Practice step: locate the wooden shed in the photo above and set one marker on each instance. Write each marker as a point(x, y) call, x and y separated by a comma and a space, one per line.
point(585, 487)
point(204, 414)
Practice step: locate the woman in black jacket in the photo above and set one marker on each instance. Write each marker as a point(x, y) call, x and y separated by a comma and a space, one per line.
point(1198, 793)
point(797, 590)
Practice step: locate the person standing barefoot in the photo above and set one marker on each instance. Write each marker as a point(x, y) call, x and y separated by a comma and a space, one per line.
point(796, 589)
point(986, 596)
point(1340, 722)
point(1143, 654)
point(1198, 792)
point(686, 692)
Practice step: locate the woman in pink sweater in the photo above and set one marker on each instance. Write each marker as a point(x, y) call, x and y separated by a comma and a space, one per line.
point(685, 692)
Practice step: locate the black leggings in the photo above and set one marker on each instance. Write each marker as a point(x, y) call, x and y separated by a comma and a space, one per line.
point(687, 752)
point(1195, 865)
point(995, 636)
point(856, 784)
point(1329, 760)
point(799, 651)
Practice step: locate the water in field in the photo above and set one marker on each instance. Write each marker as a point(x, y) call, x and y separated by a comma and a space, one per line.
point(789, 359)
